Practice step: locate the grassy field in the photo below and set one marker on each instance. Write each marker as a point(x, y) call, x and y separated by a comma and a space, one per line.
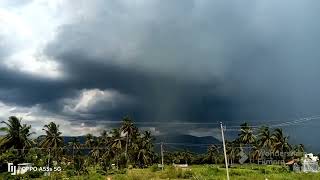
point(196, 172)
point(209, 172)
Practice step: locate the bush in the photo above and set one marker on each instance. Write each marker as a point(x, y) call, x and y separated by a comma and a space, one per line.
point(102, 172)
point(114, 171)
point(187, 174)
point(8, 176)
point(176, 173)
point(265, 171)
point(154, 168)
point(215, 169)
point(33, 174)
point(70, 173)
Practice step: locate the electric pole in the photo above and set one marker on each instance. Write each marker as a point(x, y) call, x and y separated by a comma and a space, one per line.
point(48, 170)
point(224, 150)
point(161, 145)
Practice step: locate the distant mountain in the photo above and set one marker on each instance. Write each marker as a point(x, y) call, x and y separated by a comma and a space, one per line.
point(68, 139)
point(176, 142)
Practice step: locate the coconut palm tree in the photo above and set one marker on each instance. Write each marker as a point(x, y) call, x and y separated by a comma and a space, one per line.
point(186, 156)
point(104, 139)
point(144, 148)
point(255, 151)
point(116, 144)
point(297, 151)
point(233, 148)
point(212, 154)
point(95, 154)
point(117, 140)
point(129, 131)
point(280, 142)
point(300, 148)
point(90, 141)
point(246, 136)
point(53, 140)
point(18, 136)
point(265, 138)
point(75, 145)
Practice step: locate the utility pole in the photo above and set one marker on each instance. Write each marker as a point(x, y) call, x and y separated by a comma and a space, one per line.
point(48, 170)
point(224, 150)
point(161, 145)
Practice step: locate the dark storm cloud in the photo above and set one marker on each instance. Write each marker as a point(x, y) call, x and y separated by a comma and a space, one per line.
point(157, 56)
point(213, 62)
point(23, 89)
point(159, 97)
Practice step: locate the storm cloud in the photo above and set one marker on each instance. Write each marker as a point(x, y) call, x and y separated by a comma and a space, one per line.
point(165, 61)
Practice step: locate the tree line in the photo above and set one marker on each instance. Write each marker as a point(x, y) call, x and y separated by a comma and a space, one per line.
point(263, 143)
point(127, 146)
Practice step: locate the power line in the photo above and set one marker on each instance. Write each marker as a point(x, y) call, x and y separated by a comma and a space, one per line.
point(187, 144)
point(298, 121)
point(281, 124)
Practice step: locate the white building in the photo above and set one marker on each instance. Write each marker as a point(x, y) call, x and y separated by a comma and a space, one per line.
point(310, 163)
point(311, 156)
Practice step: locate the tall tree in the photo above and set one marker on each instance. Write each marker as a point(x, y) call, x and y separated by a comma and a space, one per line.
point(116, 146)
point(212, 154)
point(75, 145)
point(233, 149)
point(246, 136)
point(265, 138)
point(53, 140)
point(18, 136)
point(143, 147)
point(90, 141)
point(280, 142)
point(129, 130)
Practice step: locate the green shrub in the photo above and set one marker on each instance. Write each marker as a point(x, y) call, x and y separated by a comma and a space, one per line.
point(115, 171)
point(154, 168)
point(215, 169)
point(102, 172)
point(8, 176)
point(265, 171)
point(33, 174)
point(187, 174)
point(70, 173)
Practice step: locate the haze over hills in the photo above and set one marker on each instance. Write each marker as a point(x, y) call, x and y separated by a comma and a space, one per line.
point(174, 142)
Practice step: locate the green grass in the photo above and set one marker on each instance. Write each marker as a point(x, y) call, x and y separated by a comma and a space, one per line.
point(212, 172)
point(196, 172)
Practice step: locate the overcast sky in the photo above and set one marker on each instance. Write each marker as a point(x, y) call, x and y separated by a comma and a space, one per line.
point(85, 63)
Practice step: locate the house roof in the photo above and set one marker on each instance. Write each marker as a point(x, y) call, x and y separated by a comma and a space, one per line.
point(291, 162)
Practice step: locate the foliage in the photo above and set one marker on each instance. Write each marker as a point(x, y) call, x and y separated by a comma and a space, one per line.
point(17, 136)
point(53, 140)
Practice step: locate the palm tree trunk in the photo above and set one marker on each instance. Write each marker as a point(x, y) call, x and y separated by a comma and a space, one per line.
point(126, 154)
point(73, 155)
point(127, 145)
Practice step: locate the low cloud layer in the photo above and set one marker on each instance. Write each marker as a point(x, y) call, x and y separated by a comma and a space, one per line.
point(160, 61)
